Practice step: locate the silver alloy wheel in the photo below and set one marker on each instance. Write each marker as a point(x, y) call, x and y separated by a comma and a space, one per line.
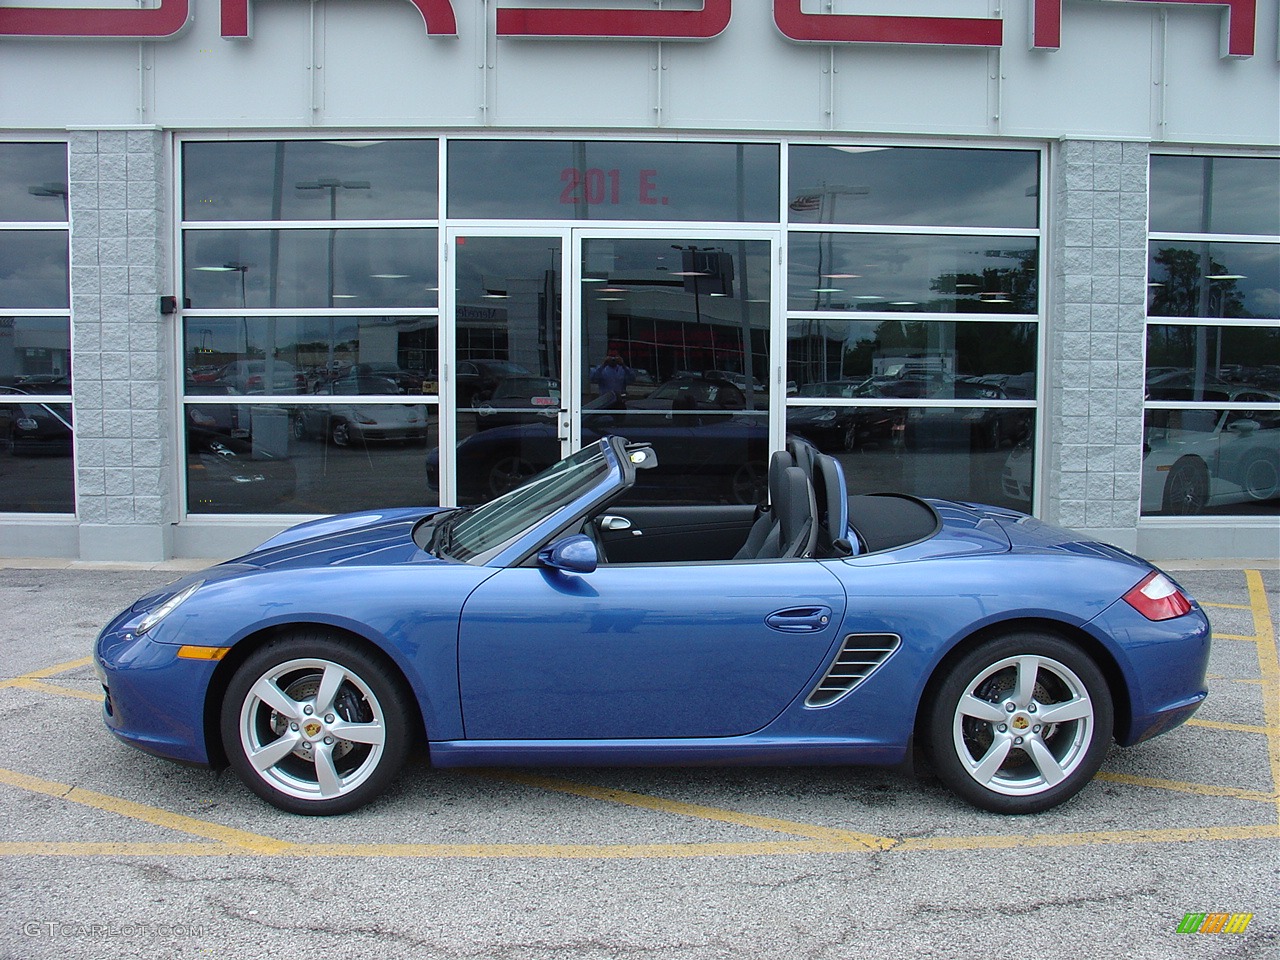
point(1023, 725)
point(312, 729)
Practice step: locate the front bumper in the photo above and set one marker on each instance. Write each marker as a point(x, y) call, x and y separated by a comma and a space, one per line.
point(153, 699)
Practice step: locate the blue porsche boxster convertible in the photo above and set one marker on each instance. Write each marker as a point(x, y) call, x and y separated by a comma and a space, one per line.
point(553, 625)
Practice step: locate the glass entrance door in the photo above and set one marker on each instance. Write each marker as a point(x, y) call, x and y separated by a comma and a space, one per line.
point(675, 351)
point(510, 417)
point(562, 337)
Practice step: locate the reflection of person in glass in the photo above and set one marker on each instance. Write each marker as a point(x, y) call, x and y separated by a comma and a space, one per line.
point(613, 377)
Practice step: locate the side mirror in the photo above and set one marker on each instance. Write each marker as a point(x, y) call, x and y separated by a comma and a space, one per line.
point(572, 554)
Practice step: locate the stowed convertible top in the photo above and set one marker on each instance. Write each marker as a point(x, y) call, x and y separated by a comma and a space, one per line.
point(887, 520)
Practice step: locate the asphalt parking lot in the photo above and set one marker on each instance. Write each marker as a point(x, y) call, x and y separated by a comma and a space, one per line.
point(109, 853)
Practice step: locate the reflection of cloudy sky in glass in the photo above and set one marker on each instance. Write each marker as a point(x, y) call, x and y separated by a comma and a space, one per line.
point(23, 166)
point(33, 270)
point(917, 186)
point(372, 268)
point(681, 181)
point(1251, 271)
point(875, 272)
point(377, 179)
point(1244, 195)
point(227, 335)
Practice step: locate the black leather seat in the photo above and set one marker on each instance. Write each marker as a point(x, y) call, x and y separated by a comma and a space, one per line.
point(764, 532)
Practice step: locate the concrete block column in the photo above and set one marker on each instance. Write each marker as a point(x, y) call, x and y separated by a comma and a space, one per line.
point(1095, 336)
point(122, 344)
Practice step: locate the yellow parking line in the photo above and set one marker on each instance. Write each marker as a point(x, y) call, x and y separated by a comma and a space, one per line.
point(1237, 727)
point(1226, 606)
point(1235, 636)
point(40, 686)
point(44, 672)
point(1203, 789)
point(252, 842)
point(1263, 831)
point(54, 848)
point(646, 802)
point(1269, 667)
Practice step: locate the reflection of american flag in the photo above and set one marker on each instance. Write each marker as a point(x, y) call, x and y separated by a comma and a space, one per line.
point(809, 201)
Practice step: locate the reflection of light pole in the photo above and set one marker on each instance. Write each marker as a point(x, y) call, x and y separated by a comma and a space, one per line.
point(233, 266)
point(52, 190)
point(333, 185)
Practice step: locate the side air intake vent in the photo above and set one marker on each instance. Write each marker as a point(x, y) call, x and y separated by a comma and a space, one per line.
point(858, 657)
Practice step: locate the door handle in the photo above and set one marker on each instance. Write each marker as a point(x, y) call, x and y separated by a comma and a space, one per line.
point(609, 522)
point(800, 619)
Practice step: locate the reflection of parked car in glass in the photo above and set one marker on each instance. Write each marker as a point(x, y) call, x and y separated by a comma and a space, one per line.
point(978, 428)
point(477, 379)
point(709, 458)
point(405, 381)
point(345, 423)
point(250, 376)
point(1198, 458)
point(516, 399)
point(848, 427)
point(703, 394)
point(35, 428)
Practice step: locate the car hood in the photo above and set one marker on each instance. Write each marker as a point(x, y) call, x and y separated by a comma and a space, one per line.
point(376, 537)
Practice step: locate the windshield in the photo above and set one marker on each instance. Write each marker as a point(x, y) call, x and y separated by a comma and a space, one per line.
point(503, 519)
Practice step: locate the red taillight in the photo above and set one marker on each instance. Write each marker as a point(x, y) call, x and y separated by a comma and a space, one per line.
point(1156, 598)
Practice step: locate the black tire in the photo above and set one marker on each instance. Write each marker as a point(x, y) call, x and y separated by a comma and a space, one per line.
point(1186, 490)
point(325, 772)
point(986, 731)
point(749, 483)
point(508, 472)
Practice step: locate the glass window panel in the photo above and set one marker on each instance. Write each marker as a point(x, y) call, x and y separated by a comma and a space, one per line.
point(1202, 279)
point(33, 270)
point(917, 186)
point(695, 311)
point(33, 181)
point(310, 180)
point(912, 274)
point(228, 356)
point(1215, 195)
point(601, 180)
point(270, 458)
point(1202, 362)
point(1207, 461)
point(226, 269)
point(828, 358)
point(951, 453)
point(35, 354)
point(35, 456)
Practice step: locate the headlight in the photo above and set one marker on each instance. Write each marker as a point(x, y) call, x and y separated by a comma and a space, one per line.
point(159, 613)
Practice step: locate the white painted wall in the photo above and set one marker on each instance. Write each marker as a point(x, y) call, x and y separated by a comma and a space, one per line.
point(1125, 70)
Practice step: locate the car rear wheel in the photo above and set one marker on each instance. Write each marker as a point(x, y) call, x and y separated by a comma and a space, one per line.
point(1020, 723)
point(316, 726)
point(1186, 492)
point(340, 433)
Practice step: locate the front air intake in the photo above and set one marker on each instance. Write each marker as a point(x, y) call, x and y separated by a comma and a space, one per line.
point(859, 656)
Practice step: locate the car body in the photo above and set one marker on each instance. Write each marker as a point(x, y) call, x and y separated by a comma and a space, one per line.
point(253, 377)
point(841, 427)
point(975, 428)
point(518, 400)
point(540, 629)
point(477, 379)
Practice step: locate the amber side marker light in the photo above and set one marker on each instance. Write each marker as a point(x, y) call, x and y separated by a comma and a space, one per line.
point(189, 652)
point(1156, 598)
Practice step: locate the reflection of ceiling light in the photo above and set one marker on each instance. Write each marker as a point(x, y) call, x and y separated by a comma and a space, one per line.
point(595, 279)
point(996, 300)
point(868, 296)
point(346, 296)
point(389, 276)
point(688, 273)
point(905, 303)
point(220, 269)
point(841, 276)
point(1225, 276)
point(1155, 284)
point(495, 296)
point(719, 294)
point(609, 299)
point(614, 290)
point(826, 289)
point(966, 286)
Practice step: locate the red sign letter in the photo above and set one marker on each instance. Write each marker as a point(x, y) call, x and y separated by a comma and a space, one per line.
point(437, 14)
point(1238, 22)
point(702, 24)
point(859, 28)
point(165, 20)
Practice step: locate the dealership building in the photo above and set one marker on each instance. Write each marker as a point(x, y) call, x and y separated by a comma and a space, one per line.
point(263, 261)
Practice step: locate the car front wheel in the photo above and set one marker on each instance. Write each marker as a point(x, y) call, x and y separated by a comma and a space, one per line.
point(1020, 723)
point(314, 725)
